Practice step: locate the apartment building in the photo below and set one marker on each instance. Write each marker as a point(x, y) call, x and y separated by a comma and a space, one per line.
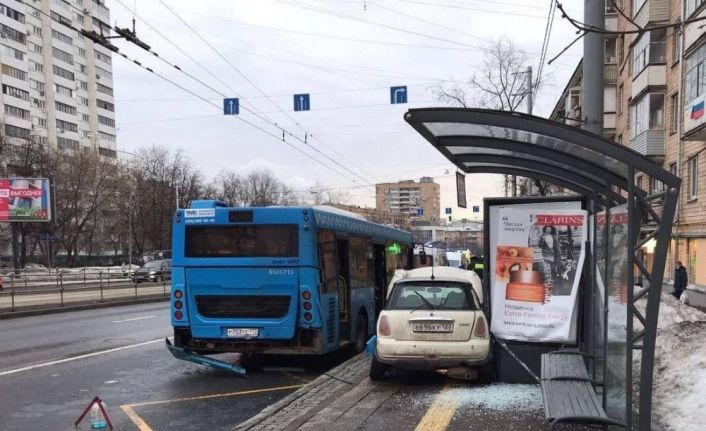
point(659, 108)
point(416, 199)
point(57, 86)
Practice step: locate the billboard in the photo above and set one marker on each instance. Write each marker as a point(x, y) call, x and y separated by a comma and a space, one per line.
point(537, 253)
point(25, 200)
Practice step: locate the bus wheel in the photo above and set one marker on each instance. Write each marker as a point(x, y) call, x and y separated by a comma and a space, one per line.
point(361, 333)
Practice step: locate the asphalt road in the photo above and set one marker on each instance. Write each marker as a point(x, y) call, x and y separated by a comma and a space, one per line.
point(51, 367)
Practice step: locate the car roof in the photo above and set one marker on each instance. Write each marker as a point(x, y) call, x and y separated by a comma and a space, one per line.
point(441, 273)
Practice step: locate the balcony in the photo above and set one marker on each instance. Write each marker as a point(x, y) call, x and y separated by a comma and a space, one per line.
point(652, 11)
point(654, 75)
point(649, 143)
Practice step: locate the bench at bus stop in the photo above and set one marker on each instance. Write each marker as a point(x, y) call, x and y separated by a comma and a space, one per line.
point(568, 393)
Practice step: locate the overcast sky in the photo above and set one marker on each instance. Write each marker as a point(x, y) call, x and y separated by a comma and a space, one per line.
point(346, 54)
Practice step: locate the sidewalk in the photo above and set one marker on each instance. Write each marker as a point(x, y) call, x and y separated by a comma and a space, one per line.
point(344, 399)
point(24, 304)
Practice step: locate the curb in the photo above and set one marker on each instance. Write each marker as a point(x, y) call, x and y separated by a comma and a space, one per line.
point(336, 386)
point(79, 307)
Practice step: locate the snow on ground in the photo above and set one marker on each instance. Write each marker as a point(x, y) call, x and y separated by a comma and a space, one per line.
point(501, 397)
point(679, 390)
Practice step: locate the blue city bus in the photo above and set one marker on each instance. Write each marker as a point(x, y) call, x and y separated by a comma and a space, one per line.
point(292, 280)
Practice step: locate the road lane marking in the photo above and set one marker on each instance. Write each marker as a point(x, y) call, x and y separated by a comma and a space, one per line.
point(136, 419)
point(228, 394)
point(133, 319)
point(76, 358)
point(142, 425)
point(441, 411)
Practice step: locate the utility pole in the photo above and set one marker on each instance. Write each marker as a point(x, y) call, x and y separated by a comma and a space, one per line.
point(592, 82)
point(530, 104)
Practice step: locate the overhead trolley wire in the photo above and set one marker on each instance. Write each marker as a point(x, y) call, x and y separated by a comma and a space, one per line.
point(193, 93)
point(255, 86)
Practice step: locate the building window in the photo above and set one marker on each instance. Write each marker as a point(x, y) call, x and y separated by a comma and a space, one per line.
point(610, 50)
point(692, 5)
point(63, 55)
point(107, 152)
point(66, 91)
point(638, 181)
point(65, 125)
point(676, 45)
point(647, 113)
point(673, 169)
point(62, 37)
point(14, 72)
point(37, 30)
point(36, 66)
point(59, 71)
point(649, 49)
point(82, 52)
point(619, 100)
point(16, 35)
point(36, 85)
point(65, 143)
point(609, 8)
point(103, 57)
point(15, 92)
point(35, 48)
point(105, 105)
point(39, 121)
point(106, 121)
point(83, 85)
point(675, 113)
point(59, 18)
point(12, 52)
point(85, 118)
point(106, 137)
point(16, 132)
point(693, 177)
point(84, 101)
point(17, 16)
point(79, 18)
point(103, 73)
point(63, 107)
point(39, 103)
point(104, 89)
point(695, 80)
point(16, 112)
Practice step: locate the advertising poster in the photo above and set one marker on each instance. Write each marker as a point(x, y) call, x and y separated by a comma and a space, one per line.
point(24, 200)
point(539, 254)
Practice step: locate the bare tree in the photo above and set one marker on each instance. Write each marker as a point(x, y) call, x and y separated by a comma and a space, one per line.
point(319, 194)
point(261, 188)
point(501, 82)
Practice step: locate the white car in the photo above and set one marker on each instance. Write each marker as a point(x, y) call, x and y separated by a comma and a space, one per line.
point(433, 320)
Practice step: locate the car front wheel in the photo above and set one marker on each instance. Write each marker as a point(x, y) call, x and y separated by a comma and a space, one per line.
point(377, 370)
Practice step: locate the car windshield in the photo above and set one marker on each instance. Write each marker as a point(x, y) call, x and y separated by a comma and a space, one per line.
point(432, 295)
point(155, 264)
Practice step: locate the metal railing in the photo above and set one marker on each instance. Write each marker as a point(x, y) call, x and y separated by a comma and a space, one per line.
point(48, 288)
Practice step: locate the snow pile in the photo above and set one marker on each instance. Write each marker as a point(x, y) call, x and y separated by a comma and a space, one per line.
point(679, 390)
point(500, 397)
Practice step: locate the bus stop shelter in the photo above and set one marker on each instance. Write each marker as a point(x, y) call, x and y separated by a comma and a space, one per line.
point(621, 300)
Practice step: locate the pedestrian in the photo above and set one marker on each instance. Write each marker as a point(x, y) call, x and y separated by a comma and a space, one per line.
point(681, 279)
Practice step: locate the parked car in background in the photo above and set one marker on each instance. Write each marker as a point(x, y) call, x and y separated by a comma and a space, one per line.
point(156, 270)
point(433, 320)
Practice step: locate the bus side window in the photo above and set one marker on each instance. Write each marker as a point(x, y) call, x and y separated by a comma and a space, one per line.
point(327, 262)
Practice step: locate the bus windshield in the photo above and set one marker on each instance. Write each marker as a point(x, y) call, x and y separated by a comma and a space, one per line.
point(242, 241)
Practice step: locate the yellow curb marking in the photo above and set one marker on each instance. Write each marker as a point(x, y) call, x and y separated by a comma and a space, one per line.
point(440, 413)
point(136, 419)
point(142, 425)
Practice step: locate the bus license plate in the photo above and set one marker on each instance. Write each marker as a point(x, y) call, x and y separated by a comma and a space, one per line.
point(433, 327)
point(242, 332)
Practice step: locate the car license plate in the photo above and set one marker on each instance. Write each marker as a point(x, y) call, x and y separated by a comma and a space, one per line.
point(242, 332)
point(433, 327)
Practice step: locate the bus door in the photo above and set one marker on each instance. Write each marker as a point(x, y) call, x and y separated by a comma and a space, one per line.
point(328, 267)
point(380, 277)
point(344, 290)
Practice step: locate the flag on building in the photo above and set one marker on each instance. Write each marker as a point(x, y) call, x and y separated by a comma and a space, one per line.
point(697, 111)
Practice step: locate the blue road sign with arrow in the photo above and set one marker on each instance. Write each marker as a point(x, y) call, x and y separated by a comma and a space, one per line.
point(476, 208)
point(231, 106)
point(301, 102)
point(398, 94)
point(420, 211)
point(448, 210)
